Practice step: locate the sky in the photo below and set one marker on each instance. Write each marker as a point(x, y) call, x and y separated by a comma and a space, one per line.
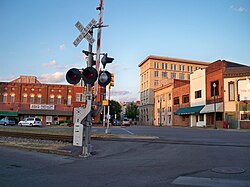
point(36, 36)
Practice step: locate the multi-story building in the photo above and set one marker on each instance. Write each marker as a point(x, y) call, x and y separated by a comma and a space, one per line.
point(153, 70)
point(164, 97)
point(219, 96)
point(27, 97)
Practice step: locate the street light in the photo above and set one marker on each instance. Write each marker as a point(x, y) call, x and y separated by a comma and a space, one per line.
point(214, 85)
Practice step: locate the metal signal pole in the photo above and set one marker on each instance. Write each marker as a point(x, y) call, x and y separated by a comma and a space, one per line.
point(87, 147)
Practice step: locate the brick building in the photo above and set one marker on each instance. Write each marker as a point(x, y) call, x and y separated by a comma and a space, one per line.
point(181, 99)
point(27, 97)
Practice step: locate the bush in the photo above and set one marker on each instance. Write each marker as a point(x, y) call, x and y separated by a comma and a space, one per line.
point(64, 122)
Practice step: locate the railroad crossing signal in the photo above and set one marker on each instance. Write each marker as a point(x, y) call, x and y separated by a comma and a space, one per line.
point(84, 32)
point(89, 75)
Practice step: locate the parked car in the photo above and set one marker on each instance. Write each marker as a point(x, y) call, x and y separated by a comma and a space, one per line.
point(7, 121)
point(30, 122)
point(125, 122)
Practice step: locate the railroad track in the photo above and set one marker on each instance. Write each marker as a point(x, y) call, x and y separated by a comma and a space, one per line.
point(55, 137)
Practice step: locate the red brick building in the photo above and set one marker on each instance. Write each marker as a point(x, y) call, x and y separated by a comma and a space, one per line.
point(181, 99)
point(27, 97)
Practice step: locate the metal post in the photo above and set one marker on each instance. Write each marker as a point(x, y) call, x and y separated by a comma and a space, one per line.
point(160, 112)
point(104, 116)
point(87, 148)
point(214, 85)
point(108, 116)
point(238, 114)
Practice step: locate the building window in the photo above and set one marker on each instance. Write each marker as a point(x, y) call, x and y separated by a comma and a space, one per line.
point(79, 97)
point(156, 73)
point(197, 94)
point(188, 77)
point(185, 99)
point(190, 68)
point(162, 66)
point(59, 99)
point(32, 98)
point(173, 75)
point(231, 91)
point(164, 74)
point(5, 98)
point(216, 88)
point(181, 67)
point(24, 98)
point(39, 99)
point(156, 82)
point(169, 96)
point(12, 98)
point(176, 101)
point(166, 66)
point(51, 99)
point(156, 65)
point(182, 76)
point(69, 101)
point(201, 117)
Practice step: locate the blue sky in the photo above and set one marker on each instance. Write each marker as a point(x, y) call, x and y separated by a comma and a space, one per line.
point(37, 36)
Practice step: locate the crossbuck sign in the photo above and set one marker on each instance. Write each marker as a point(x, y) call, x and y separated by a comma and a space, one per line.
point(84, 32)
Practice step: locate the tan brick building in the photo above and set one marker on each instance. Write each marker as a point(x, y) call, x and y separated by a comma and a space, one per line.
point(153, 70)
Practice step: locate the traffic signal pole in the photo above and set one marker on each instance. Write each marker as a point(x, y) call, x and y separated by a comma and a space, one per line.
point(87, 147)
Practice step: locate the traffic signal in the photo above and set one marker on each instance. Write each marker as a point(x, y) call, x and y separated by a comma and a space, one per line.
point(89, 75)
point(104, 78)
point(112, 82)
point(73, 76)
point(105, 60)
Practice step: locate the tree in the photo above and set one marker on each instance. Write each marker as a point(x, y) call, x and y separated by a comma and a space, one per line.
point(115, 108)
point(132, 111)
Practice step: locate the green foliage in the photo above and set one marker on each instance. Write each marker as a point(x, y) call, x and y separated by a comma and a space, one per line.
point(115, 108)
point(64, 122)
point(132, 111)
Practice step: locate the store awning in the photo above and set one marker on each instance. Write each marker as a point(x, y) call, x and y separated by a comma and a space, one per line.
point(8, 113)
point(189, 110)
point(210, 108)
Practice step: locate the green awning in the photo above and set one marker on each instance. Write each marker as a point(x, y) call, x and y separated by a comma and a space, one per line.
point(189, 110)
point(7, 113)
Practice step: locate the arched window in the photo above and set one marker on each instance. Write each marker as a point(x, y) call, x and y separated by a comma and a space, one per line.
point(39, 99)
point(32, 98)
point(69, 100)
point(12, 98)
point(59, 99)
point(51, 99)
point(5, 97)
point(24, 98)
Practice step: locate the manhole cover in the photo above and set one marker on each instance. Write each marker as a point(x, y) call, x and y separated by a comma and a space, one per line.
point(228, 170)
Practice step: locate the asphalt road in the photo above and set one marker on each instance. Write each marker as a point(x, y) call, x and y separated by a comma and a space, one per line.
point(132, 163)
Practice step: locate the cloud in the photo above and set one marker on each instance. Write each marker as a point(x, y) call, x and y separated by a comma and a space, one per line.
point(50, 64)
point(56, 77)
point(119, 92)
point(62, 47)
point(238, 8)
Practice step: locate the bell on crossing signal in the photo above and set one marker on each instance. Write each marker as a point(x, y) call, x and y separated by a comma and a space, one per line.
point(73, 76)
point(104, 78)
point(105, 60)
point(89, 75)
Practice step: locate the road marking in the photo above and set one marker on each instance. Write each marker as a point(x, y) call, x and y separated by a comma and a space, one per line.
point(127, 131)
point(211, 182)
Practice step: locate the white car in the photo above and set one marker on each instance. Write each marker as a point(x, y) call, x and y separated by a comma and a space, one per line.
point(30, 122)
